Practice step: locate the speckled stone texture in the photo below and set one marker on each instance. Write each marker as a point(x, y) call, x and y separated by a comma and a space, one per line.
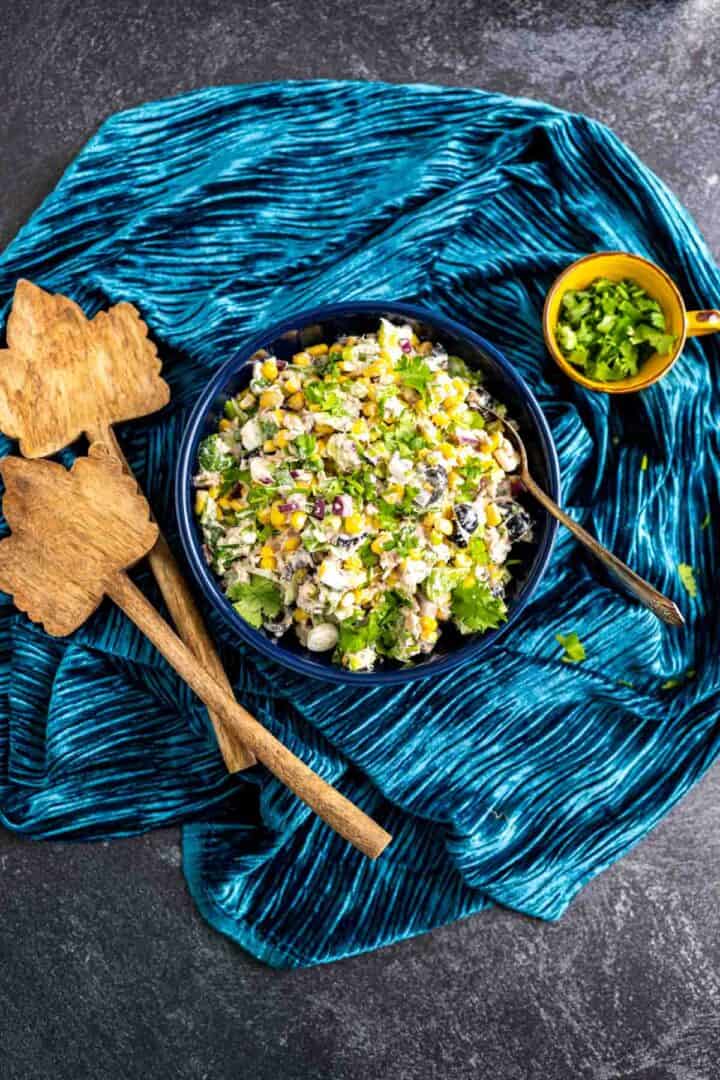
point(106, 970)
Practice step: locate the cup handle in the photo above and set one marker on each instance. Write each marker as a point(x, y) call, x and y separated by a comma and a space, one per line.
point(703, 322)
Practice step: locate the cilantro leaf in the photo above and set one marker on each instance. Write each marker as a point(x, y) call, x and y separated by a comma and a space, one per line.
point(415, 373)
point(475, 608)
point(305, 445)
point(255, 599)
point(687, 576)
point(574, 648)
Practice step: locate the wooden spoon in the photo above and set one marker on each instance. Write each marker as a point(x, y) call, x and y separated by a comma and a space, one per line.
point(73, 536)
point(660, 605)
point(63, 375)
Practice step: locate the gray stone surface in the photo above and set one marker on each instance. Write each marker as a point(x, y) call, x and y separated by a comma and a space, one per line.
point(106, 970)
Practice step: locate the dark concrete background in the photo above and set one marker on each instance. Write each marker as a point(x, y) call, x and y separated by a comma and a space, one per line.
point(106, 970)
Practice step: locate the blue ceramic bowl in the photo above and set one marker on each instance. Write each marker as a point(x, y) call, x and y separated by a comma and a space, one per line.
point(326, 324)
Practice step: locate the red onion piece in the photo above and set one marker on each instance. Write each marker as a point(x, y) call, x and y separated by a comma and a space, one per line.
point(318, 510)
point(405, 346)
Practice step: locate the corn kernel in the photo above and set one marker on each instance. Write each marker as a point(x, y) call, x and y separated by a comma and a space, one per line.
point(266, 552)
point(237, 505)
point(291, 385)
point(296, 401)
point(369, 409)
point(277, 517)
point(297, 520)
point(291, 544)
point(304, 485)
point(421, 407)
point(323, 429)
point(469, 582)
point(429, 520)
point(445, 527)
point(282, 439)
point(495, 573)
point(353, 524)
point(268, 562)
point(451, 402)
point(492, 514)
point(353, 562)
point(302, 359)
point(436, 537)
point(269, 370)
point(428, 624)
point(447, 450)
point(269, 446)
point(269, 398)
point(440, 419)
point(300, 616)
point(378, 545)
point(321, 446)
point(214, 491)
point(318, 350)
point(218, 513)
point(495, 440)
point(359, 427)
point(264, 515)
point(462, 561)
point(201, 499)
point(225, 424)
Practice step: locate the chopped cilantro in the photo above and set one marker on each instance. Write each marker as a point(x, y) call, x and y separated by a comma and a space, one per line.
point(475, 607)
point(687, 576)
point(213, 455)
point(477, 550)
point(459, 369)
point(255, 599)
point(610, 328)
point(379, 630)
point(325, 395)
point(574, 648)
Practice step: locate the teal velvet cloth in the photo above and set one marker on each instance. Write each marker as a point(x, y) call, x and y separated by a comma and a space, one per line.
point(513, 781)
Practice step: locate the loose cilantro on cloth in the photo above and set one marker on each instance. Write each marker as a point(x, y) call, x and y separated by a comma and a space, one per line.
point(256, 598)
point(573, 646)
point(687, 576)
point(611, 328)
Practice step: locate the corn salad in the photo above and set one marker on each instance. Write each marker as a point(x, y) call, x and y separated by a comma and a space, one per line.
point(360, 496)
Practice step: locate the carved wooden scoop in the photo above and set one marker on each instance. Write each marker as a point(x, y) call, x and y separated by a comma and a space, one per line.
point(63, 375)
point(73, 536)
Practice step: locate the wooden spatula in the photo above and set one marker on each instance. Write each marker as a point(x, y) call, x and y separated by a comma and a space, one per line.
point(63, 375)
point(73, 536)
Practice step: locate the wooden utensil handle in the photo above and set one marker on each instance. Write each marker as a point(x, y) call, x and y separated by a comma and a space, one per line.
point(342, 815)
point(188, 620)
point(660, 605)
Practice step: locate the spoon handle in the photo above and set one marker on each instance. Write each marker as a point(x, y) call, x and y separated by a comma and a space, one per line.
point(660, 605)
point(343, 816)
point(186, 616)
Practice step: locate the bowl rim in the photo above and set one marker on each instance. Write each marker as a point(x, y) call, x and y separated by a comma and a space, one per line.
point(189, 536)
point(622, 386)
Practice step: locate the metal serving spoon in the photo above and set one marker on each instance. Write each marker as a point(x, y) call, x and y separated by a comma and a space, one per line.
point(660, 605)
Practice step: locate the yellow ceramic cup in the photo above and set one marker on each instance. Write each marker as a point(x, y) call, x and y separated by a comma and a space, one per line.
point(617, 265)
